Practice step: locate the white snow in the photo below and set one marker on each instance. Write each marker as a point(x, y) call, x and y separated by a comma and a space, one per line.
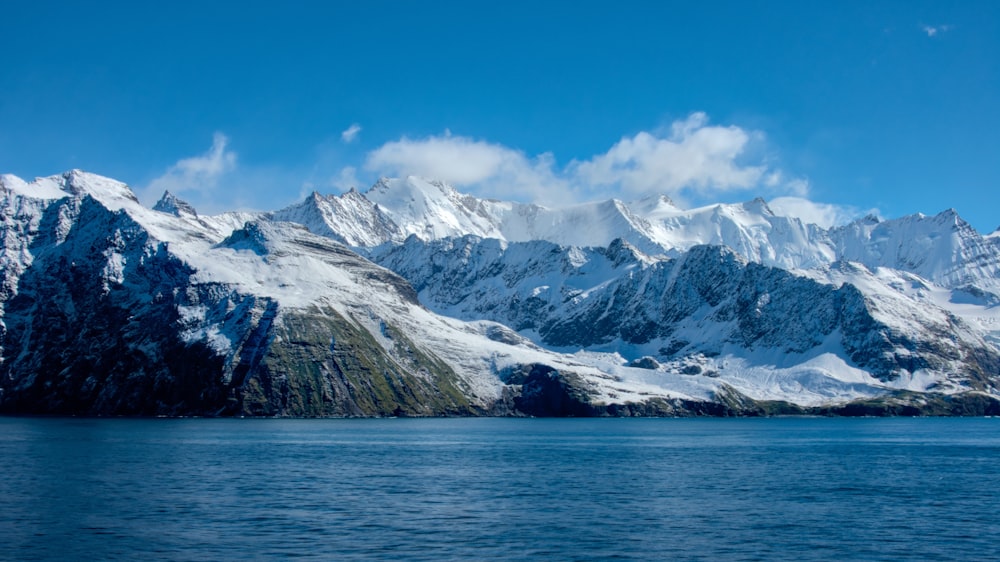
point(41, 188)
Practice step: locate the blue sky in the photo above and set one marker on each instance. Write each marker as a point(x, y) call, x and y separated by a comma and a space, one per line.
point(893, 106)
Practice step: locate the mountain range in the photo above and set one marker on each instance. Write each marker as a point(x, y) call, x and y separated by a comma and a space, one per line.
point(415, 299)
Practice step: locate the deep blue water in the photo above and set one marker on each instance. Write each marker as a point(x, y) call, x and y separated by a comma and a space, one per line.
point(492, 489)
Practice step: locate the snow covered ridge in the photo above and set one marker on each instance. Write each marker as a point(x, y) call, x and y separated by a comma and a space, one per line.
point(483, 307)
point(942, 248)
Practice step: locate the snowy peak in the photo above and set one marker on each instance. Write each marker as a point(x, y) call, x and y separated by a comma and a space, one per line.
point(654, 207)
point(75, 183)
point(943, 248)
point(11, 184)
point(758, 206)
point(350, 219)
point(409, 187)
point(112, 193)
point(172, 205)
point(430, 209)
point(393, 209)
point(41, 188)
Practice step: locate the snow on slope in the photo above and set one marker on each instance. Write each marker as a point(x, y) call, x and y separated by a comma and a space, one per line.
point(751, 229)
point(350, 219)
point(944, 248)
point(396, 208)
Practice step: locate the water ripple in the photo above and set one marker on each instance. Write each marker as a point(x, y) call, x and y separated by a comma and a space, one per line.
point(804, 489)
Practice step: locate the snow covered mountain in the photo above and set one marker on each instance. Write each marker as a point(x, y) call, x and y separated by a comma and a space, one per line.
point(111, 308)
point(943, 249)
point(606, 308)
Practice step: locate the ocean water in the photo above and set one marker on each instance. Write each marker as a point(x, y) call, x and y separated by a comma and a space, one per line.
point(500, 489)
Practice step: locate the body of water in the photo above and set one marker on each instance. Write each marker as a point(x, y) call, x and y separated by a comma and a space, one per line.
point(500, 489)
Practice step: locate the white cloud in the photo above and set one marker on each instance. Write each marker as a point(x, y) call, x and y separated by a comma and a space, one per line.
point(689, 160)
point(822, 214)
point(695, 156)
point(351, 133)
point(198, 173)
point(494, 170)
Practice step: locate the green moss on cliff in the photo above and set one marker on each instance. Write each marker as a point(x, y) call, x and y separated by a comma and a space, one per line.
point(320, 363)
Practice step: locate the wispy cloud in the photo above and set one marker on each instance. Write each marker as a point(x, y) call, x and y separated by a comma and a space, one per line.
point(350, 134)
point(690, 158)
point(822, 214)
point(197, 173)
point(933, 30)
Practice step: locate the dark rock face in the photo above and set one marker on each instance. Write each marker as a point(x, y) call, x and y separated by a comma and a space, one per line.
point(95, 329)
point(708, 287)
point(905, 403)
point(76, 344)
point(546, 392)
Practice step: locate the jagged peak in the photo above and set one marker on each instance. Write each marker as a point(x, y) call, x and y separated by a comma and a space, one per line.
point(411, 185)
point(620, 251)
point(353, 194)
point(950, 215)
point(171, 204)
point(381, 184)
point(664, 200)
point(655, 207)
point(869, 219)
point(759, 205)
point(104, 189)
point(311, 203)
point(111, 193)
point(655, 200)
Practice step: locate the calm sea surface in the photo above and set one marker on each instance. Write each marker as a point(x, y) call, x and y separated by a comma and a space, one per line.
point(500, 489)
